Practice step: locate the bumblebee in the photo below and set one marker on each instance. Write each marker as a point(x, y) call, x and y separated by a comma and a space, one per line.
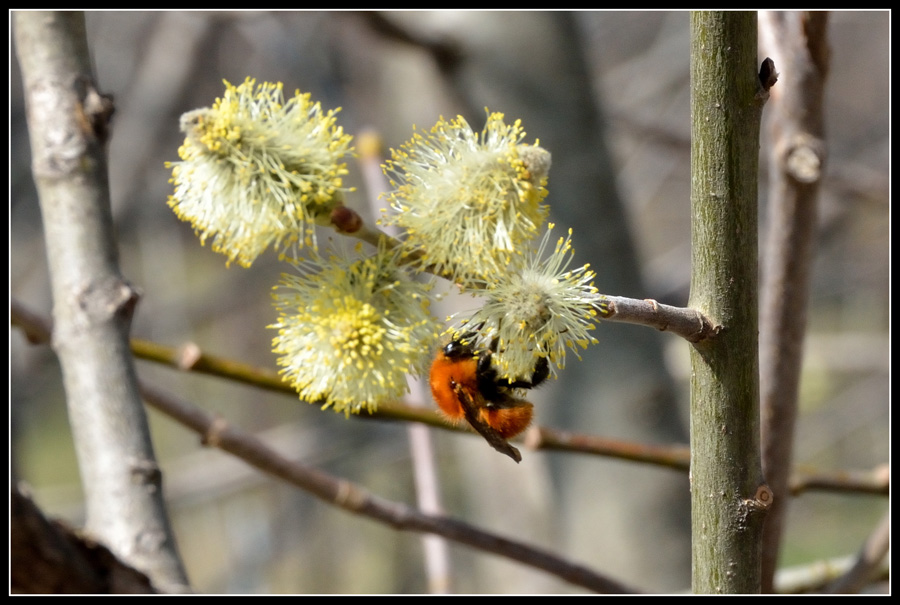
point(462, 377)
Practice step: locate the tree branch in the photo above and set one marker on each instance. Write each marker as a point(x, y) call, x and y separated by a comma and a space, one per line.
point(690, 324)
point(875, 481)
point(796, 155)
point(816, 575)
point(868, 560)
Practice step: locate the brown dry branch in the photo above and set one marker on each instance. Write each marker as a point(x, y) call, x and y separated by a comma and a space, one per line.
point(875, 481)
point(677, 457)
point(796, 157)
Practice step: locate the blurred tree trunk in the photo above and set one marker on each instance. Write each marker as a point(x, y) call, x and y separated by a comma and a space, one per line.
point(797, 41)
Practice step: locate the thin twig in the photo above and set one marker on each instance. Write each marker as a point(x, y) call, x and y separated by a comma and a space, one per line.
point(688, 323)
point(876, 481)
point(446, 52)
point(677, 457)
point(867, 561)
point(816, 575)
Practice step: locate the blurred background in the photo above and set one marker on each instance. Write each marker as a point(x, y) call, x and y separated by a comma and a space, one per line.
point(607, 93)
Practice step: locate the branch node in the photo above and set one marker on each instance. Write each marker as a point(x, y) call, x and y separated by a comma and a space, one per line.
point(94, 114)
point(188, 356)
point(145, 472)
point(764, 497)
point(344, 495)
point(767, 75)
point(804, 158)
point(346, 220)
point(213, 435)
point(759, 503)
point(607, 309)
point(706, 330)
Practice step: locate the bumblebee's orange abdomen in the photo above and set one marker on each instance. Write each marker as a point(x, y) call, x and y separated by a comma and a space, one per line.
point(508, 422)
point(445, 372)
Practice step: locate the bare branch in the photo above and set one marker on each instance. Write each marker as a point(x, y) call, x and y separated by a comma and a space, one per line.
point(875, 481)
point(216, 432)
point(816, 575)
point(797, 41)
point(446, 53)
point(868, 560)
point(672, 456)
point(690, 324)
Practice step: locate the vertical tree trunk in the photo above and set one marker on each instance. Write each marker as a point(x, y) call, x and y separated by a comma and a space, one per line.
point(727, 490)
point(92, 302)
